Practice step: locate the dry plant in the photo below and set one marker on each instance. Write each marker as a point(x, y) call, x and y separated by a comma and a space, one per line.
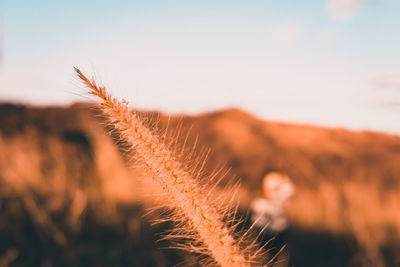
point(47, 178)
point(19, 179)
point(8, 257)
point(207, 226)
point(363, 210)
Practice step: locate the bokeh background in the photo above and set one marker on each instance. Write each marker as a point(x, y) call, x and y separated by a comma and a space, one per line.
point(309, 89)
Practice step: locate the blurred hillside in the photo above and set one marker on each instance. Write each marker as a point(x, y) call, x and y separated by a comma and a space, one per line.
point(67, 197)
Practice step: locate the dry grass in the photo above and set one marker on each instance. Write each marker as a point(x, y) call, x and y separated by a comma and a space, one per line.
point(55, 189)
point(362, 209)
point(30, 169)
point(347, 186)
point(200, 220)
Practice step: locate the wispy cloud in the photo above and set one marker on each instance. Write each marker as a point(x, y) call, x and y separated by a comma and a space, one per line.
point(389, 104)
point(344, 9)
point(287, 31)
point(389, 82)
point(387, 92)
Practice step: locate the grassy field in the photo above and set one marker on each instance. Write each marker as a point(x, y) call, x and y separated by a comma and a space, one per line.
point(71, 197)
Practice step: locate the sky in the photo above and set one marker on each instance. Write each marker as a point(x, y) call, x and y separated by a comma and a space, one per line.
point(333, 63)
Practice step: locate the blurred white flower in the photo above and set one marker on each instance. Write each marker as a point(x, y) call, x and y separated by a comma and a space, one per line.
point(270, 210)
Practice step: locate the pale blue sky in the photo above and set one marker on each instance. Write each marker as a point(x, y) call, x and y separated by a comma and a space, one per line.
point(326, 62)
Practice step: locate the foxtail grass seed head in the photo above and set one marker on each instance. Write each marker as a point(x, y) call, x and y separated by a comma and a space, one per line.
point(202, 221)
